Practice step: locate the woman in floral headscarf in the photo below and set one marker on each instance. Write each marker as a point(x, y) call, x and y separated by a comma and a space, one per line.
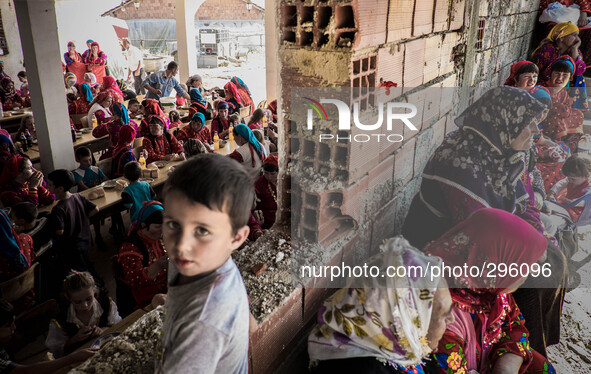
point(151, 108)
point(118, 120)
point(72, 55)
point(110, 86)
point(123, 151)
point(244, 92)
point(489, 333)
point(82, 104)
point(233, 98)
point(563, 39)
point(70, 81)
point(96, 56)
point(383, 325)
point(9, 96)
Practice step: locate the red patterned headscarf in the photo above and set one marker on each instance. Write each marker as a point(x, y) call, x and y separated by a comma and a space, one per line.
point(231, 88)
point(126, 137)
point(11, 169)
point(514, 69)
point(110, 83)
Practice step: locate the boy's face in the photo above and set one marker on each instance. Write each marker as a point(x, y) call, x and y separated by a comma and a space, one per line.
point(6, 331)
point(198, 240)
point(85, 162)
point(82, 300)
point(271, 176)
point(52, 188)
point(559, 79)
point(22, 79)
point(223, 113)
point(576, 181)
point(527, 80)
point(134, 108)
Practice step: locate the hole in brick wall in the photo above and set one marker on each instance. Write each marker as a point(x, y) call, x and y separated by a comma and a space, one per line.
point(345, 17)
point(295, 145)
point(324, 152)
point(363, 105)
point(332, 213)
point(371, 80)
point(309, 149)
point(324, 170)
point(306, 38)
point(310, 217)
point(480, 34)
point(289, 16)
point(356, 68)
point(344, 137)
point(372, 62)
point(311, 200)
point(355, 92)
point(335, 199)
point(342, 175)
point(310, 235)
point(345, 39)
point(323, 16)
point(289, 36)
point(341, 153)
point(307, 14)
point(322, 39)
point(364, 64)
point(308, 164)
point(371, 100)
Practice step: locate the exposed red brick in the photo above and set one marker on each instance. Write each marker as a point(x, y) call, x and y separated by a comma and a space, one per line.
point(258, 268)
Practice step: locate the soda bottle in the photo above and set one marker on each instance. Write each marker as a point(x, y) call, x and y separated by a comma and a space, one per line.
point(231, 133)
point(142, 160)
point(23, 141)
point(94, 122)
point(29, 138)
point(216, 141)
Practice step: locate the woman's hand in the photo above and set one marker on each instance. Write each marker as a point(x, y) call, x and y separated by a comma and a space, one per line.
point(36, 179)
point(157, 267)
point(168, 157)
point(83, 333)
point(508, 363)
point(583, 19)
point(573, 51)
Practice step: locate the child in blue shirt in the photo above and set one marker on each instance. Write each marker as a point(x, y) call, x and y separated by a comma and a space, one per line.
point(136, 192)
point(87, 175)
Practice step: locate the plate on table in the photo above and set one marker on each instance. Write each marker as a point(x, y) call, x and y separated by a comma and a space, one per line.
point(100, 342)
point(109, 184)
point(161, 163)
point(85, 130)
point(20, 111)
point(149, 180)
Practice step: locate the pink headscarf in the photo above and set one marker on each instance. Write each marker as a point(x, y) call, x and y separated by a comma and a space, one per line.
point(231, 88)
point(111, 83)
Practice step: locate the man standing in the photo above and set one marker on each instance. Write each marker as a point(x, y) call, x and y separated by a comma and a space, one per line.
point(161, 83)
point(136, 66)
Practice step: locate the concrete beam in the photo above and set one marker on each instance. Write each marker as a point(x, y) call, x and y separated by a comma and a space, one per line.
point(37, 25)
point(185, 36)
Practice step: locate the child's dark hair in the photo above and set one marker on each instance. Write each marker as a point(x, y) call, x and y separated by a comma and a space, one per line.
point(22, 74)
point(62, 178)
point(132, 171)
point(6, 312)
point(234, 118)
point(133, 101)
point(25, 210)
point(217, 182)
point(257, 116)
point(76, 281)
point(82, 152)
point(561, 66)
point(155, 218)
point(259, 135)
point(577, 166)
point(174, 116)
point(270, 168)
point(527, 68)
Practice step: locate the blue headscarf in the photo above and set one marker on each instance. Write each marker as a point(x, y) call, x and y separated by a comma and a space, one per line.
point(141, 215)
point(199, 116)
point(196, 96)
point(8, 245)
point(86, 92)
point(121, 111)
point(243, 130)
point(239, 82)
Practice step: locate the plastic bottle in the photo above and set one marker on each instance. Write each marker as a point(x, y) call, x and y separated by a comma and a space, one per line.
point(142, 160)
point(216, 141)
point(94, 122)
point(29, 138)
point(231, 133)
point(1, 110)
point(23, 141)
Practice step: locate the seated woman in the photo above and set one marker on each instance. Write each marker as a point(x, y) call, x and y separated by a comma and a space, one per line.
point(266, 191)
point(563, 39)
point(100, 109)
point(159, 144)
point(82, 104)
point(20, 182)
point(250, 152)
point(244, 92)
point(111, 87)
point(489, 333)
point(118, 120)
point(563, 123)
point(27, 127)
point(142, 256)
point(272, 106)
point(123, 151)
point(151, 108)
point(70, 81)
point(96, 56)
point(9, 96)
point(524, 74)
point(232, 97)
point(195, 130)
point(198, 102)
point(221, 123)
point(369, 330)
point(90, 80)
point(256, 120)
point(72, 55)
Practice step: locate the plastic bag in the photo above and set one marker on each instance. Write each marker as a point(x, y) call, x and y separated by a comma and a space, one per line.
point(558, 13)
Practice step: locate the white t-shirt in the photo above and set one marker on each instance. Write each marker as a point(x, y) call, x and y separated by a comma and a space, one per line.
point(134, 56)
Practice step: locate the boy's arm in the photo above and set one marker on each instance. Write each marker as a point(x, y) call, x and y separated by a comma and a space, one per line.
point(57, 221)
point(89, 207)
point(152, 193)
point(127, 199)
point(81, 185)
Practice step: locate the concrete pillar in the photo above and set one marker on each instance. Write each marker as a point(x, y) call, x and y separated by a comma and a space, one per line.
point(271, 48)
point(37, 25)
point(185, 36)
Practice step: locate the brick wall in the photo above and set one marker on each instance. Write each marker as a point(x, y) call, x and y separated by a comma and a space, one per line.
point(210, 10)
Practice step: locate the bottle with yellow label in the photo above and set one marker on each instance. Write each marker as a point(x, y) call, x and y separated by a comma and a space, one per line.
point(94, 122)
point(142, 160)
point(216, 141)
point(231, 133)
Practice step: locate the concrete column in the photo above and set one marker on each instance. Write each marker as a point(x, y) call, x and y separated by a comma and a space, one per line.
point(37, 25)
point(271, 48)
point(185, 36)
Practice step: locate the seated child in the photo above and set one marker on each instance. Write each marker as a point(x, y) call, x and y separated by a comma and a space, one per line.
point(577, 170)
point(175, 119)
point(221, 123)
point(19, 182)
point(195, 130)
point(133, 108)
point(250, 153)
point(256, 120)
point(123, 151)
point(25, 219)
point(207, 202)
point(137, 191)
point(8, 328)
point(266, 191)
point(160, 144)
point(87, 175)
point(85, 316)
point(142, 256)
point(70, 219)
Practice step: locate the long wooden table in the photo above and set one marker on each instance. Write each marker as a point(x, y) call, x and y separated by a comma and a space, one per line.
point(86, 140)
